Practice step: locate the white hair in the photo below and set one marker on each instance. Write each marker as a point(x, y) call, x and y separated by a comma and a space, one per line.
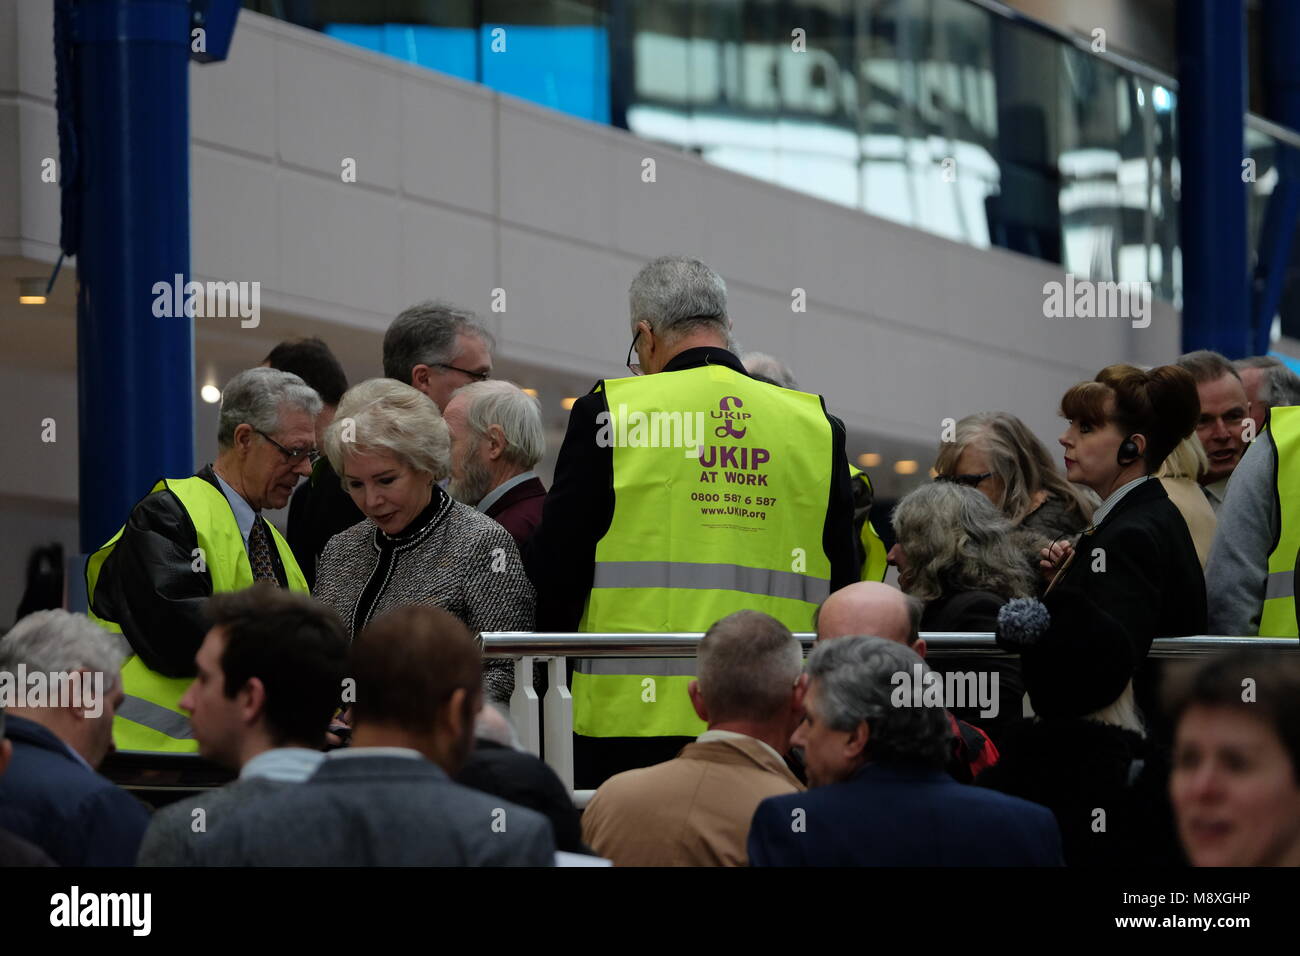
point(768, 368)
point(258, 397)
point(59, 642)
point(491, 724)
point(383, 415)
point(497, 402)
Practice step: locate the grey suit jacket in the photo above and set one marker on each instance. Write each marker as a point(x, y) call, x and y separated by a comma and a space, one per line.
point(381, 811)
point(172, 838)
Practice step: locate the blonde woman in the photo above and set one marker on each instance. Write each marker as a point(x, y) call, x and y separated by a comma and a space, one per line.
point(416, 546)
point(1180, 474)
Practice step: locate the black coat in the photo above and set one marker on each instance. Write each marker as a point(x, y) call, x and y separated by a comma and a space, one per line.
point(977, 611)
point(524, 779)
point(1076, 767)
point(1140, 566)
point(149, 587)
point(319, 510)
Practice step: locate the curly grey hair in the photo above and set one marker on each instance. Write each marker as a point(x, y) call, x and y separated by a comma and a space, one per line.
point(955, 540)
point(854, 679)
point(386, 416)
point(258, 397)
point(768, 368)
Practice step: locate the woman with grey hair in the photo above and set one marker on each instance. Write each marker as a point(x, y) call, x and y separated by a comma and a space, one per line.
point(964, 559)
point(417, 545)
point(954, 547)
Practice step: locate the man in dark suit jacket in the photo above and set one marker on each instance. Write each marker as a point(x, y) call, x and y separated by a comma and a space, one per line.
point(879, 796)
point(496, 440)
point(389, 799)
point(50, 794)
point(320, 508)
point(498, 765)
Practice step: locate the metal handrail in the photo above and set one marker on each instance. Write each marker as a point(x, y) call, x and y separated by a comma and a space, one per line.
point(555, 746)
point(503, 644)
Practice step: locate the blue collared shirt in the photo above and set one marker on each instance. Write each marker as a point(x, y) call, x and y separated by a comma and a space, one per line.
point(244, 513)
point(493, 496)
point(405, 752)
point(283, 764)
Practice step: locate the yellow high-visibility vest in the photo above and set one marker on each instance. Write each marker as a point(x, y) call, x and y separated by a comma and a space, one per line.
point(734, 523)
point(150, 718)
point(1278, 617)
point(876, 564)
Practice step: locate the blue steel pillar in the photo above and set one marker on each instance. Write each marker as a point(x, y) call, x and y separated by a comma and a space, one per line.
point(135, 371)
point(1211, 147)
point(1280, 39)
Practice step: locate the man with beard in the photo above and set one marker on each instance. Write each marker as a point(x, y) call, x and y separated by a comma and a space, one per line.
point(496, 440)
point(389, 799)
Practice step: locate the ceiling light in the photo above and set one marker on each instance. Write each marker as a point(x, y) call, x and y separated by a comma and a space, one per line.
point(210, 394)
point(905, 467)
point(31, 291)
point(530, 392)
point(869, 459)
point(567, 403)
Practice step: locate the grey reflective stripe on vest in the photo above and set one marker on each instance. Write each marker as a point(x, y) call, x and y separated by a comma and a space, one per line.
point(725, 577)
point(643, 666)
point(1281, 584)
point(149, 714)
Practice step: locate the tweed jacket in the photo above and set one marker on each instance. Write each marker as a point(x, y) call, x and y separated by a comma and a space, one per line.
point(450, 557)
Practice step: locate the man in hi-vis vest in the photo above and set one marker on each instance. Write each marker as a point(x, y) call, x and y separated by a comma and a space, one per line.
point(190, 538)
point(1251, 574)
point(683, 494)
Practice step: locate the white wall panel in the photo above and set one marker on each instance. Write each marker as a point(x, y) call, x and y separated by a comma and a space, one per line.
point(461, 190)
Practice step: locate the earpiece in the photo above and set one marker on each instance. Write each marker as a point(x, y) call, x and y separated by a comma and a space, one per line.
point(1128, 452)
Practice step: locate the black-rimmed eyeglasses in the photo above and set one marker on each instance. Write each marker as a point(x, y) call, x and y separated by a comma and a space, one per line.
point(970, 481)
point(476, 376)
point(634, 367)
point(311, 454)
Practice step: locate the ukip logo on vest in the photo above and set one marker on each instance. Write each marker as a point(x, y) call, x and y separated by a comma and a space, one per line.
point(730, 418)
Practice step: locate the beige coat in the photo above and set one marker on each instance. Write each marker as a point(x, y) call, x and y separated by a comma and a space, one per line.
point(1192, 504)
point(693, 810)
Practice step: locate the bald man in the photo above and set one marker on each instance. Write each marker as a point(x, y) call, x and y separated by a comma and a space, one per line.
point(878, 610)
point(872, 609)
